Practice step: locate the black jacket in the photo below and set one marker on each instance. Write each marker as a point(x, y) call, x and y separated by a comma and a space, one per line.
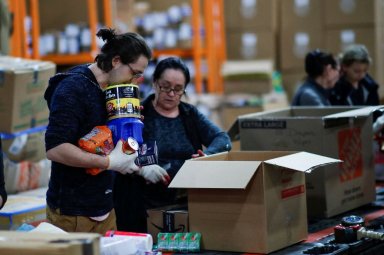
point(76, 104)
point(344, 94)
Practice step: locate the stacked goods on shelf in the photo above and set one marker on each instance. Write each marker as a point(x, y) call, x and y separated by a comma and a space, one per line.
point(166, 28)
point(251, 29)
point(250, 86)
point(330, 25)
point(24, 116)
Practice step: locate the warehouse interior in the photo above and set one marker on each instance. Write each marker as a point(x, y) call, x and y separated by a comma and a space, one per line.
point(303, 179)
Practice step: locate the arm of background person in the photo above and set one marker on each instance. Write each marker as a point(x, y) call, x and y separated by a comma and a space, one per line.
point(310, 98)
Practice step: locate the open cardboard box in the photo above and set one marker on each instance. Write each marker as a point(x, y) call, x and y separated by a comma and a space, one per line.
point(338, 132)
point(248, 201)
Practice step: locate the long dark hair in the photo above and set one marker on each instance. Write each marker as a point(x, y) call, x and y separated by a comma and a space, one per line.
point(128, 46)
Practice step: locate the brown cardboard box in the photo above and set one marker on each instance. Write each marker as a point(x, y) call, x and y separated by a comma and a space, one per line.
point(349, 12)
point(22, 86)
point(251, 44)
point(169, 219)
point(22, 209)
point(28, 243)
point(28, 146)
point(248, 201)
point(295, 44)
point(247, 76)
point(230, 113)
point(302, 14)
point(338, 132)
point(260, 15)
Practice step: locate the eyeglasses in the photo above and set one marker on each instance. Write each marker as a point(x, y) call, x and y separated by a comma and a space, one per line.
point(135, 74)
point(177, 91)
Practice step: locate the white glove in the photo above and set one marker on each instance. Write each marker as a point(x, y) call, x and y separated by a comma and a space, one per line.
point(154, 174)
point(122, 162)
point(378, 125)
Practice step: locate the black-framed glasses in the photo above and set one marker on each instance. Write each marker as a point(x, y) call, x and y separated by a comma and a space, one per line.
point(135, 74)
point(177, 91)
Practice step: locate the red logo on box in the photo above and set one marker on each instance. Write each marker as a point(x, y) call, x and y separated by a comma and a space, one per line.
point(294, 191)
point(350, 151)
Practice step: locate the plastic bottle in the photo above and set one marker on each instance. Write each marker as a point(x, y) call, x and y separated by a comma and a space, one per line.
point(123, 108)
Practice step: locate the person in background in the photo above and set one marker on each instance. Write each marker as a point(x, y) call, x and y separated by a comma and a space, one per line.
point(181, 133)
point(3, 192)
point(77, 201)
point(322, 73)
point(355, 86)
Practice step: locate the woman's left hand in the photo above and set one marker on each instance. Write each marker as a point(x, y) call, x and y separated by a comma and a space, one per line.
point(199, 153)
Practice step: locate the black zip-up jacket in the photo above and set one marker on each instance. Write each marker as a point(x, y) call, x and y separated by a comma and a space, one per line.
point(366, 94)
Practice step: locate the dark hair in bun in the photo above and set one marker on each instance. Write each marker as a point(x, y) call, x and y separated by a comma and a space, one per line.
point(128, 46)
point(316, 61)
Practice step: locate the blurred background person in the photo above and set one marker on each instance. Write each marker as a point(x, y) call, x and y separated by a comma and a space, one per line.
point(322, 73)
point(181, 133)
point(355, 86)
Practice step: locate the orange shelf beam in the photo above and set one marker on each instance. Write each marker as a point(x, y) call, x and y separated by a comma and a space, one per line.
point(61, 59)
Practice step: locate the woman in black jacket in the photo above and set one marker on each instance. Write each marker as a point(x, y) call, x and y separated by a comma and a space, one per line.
point(355, 86)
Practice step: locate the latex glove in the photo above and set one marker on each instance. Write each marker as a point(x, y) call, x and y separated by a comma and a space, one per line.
point(199, 153)
point(122, 162)
point(378, 125)
point(154, 174)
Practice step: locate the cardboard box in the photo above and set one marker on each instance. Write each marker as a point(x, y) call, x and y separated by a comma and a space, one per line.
point(295, 44)
point(34, 243)
point(22, 86)
point(22, 209)
point(338, 132)
point(349, 12)
point(257, 14)
point(247, 76)
point(251, 44)
point(302, 14)
point(248, 201)
point(26, 145)
point(168, 219)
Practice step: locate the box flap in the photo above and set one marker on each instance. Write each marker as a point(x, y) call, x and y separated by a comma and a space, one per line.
point(356, 113)
point(302, 161)
point(204, 174)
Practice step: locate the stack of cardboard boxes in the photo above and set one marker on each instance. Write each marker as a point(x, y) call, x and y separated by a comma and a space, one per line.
point(24, 115)
point(329, 25)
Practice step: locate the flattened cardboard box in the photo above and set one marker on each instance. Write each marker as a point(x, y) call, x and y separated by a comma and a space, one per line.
point(248, 201)
point(22, 86)
point(338, 132)
point(168, 219)
point(28, 243)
